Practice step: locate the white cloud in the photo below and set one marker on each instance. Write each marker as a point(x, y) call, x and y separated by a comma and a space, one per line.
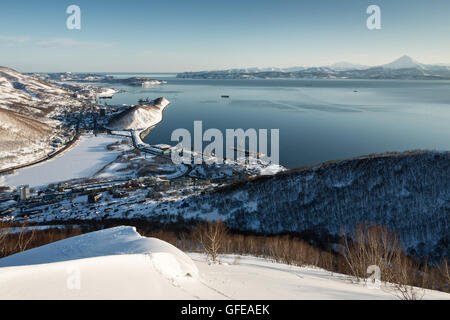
point(68, 42)
point(51, 43)
point(145, 53)
point(13, 40)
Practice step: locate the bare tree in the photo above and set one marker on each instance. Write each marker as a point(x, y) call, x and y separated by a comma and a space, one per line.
point(376, 245)
point(25, 238)
point(371, 245)
point(444, 274)
point(211, 236)
point(405, 276)
point(4, 231)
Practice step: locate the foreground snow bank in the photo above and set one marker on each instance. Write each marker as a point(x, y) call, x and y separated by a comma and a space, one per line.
point(118, 263)
point(252, 278)
point(114, 263)
point(108, 242)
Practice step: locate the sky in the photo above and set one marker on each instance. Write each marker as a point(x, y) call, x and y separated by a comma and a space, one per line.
point(194, 35)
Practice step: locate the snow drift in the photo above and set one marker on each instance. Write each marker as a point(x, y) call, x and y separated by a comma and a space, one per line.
point(118, 263)
point(114, 241)
point(111, 263)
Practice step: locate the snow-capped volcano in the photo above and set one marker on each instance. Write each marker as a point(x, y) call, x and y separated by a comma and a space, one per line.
point(404, 62)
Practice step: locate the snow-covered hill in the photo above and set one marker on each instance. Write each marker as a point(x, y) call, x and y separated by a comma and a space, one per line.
point(344, 66)
point(118, 263)
point(27, 108)
point(31, 96)
point(21, 138)
point(140, 117)
point(407, 192)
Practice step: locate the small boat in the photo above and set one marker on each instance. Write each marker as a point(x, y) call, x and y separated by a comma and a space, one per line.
point(225, 96)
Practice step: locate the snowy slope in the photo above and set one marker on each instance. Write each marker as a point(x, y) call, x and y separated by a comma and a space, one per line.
point(27, 107)
point(118, 263)
point(21, 138)
point(344, 66)
point(31, 96)
point(122, 240)
point(140, 117)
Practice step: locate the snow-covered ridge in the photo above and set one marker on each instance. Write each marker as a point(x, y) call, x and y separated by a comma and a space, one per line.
point(28, 107)
point(28, 91)
point(140, 117)
point(122, 240)
point(403, 68)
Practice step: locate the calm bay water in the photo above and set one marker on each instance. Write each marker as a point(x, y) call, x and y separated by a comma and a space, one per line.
point(319, 120)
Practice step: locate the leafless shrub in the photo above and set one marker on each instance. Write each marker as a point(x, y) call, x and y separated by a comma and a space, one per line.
point(376, 245)
point(25, 237)
point(444, 269)
point(4, 231)
point(371, 245)
point(405, 275)
point(211, 236)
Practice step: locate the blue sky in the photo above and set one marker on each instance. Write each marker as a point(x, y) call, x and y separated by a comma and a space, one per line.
point(190, 35)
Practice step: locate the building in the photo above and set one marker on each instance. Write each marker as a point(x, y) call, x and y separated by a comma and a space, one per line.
point(119, 194)
point(24, 192)
point(94, 197)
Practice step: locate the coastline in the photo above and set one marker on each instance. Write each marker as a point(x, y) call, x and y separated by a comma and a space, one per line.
point(145, 132)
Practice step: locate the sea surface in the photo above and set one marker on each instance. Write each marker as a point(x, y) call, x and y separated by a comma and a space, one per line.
point(319, 120)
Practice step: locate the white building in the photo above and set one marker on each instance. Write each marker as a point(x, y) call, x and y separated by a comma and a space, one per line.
point(24, 191)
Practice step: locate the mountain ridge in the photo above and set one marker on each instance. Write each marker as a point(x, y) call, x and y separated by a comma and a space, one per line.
point(402, 68)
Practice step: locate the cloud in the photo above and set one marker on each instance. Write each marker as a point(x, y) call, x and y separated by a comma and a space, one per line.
point(68, 42)
point(13, 40)
point(145, 53)
point(51, 43)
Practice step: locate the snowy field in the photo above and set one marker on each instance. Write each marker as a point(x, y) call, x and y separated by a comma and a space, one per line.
point(83, 160)
point(118, 263)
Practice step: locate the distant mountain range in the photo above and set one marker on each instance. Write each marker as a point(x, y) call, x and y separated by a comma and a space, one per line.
point(403, 68)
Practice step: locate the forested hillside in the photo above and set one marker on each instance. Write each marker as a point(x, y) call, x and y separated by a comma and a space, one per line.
point(408, 192)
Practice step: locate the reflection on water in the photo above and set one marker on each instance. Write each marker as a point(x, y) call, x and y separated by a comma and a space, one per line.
point(319, 120)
